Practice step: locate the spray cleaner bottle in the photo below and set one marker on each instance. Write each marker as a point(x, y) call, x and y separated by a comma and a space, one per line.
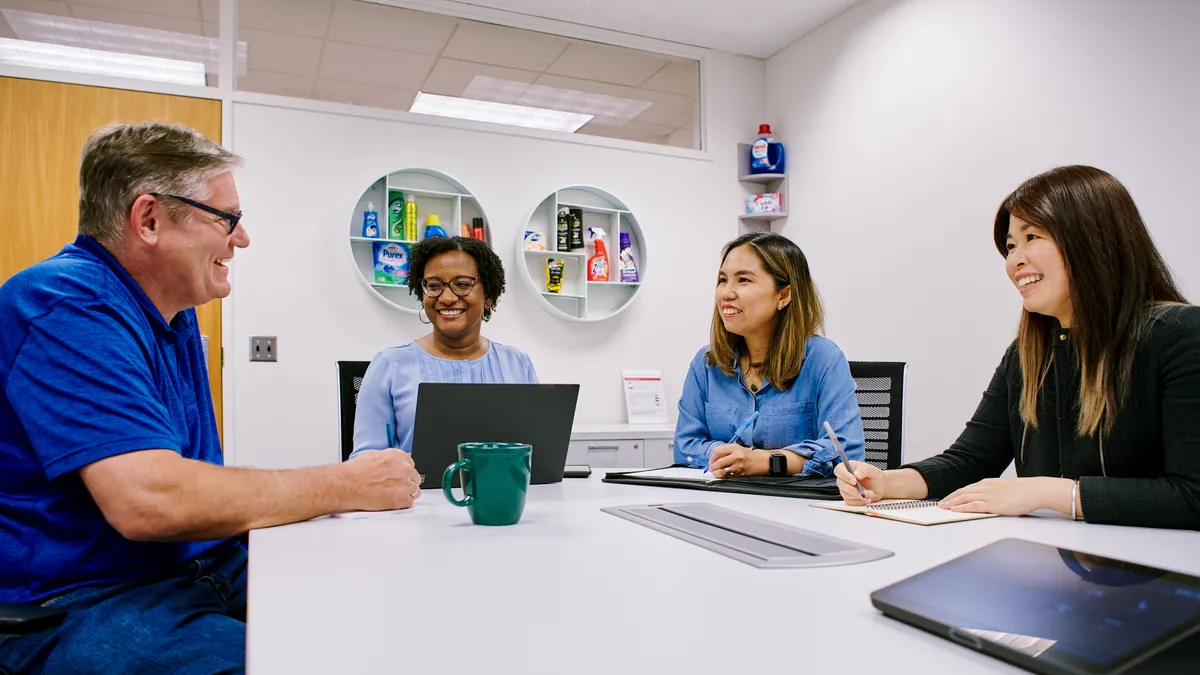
point(597, 269)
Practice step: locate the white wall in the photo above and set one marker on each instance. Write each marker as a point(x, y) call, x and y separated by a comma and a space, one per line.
point(303, 176)
point(908, 121)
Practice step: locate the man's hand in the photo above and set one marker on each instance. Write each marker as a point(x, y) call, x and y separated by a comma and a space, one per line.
point(382, 480)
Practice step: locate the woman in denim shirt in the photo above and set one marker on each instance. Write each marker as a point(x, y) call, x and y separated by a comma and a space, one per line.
point(766, 357)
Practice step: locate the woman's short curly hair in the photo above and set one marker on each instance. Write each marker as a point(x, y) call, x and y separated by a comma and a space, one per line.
point(491, 270)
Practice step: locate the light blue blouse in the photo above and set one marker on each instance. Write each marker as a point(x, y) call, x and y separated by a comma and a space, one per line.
point(389, 389)
point(714, 406)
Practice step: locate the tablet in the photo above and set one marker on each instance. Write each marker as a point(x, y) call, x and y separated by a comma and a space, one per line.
point(1056, 611)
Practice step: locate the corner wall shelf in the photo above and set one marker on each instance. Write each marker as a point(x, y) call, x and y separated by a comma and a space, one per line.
point(769, 182)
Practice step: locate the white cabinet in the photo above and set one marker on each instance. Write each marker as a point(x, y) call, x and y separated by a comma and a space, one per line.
point(621, 446)
point(608, 454)
point(658, 452)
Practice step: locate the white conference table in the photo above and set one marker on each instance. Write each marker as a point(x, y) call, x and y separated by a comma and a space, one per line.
point(573, 590)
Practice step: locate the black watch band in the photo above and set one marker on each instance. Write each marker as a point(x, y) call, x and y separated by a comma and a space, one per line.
point(778, 464)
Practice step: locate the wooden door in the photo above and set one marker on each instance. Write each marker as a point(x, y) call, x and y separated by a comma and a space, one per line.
point(43, 126)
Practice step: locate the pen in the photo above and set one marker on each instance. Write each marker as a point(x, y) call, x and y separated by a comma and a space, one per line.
point(391, 434)
point(837, 446)
point(745, 427)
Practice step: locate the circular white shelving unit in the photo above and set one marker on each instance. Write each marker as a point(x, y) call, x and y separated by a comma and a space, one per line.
point(434, 193)
point(580, 299)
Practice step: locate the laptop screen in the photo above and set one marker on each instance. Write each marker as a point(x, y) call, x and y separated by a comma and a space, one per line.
point(1082, 612)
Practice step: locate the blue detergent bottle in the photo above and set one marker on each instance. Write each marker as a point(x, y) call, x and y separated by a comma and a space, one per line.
point(766, 154)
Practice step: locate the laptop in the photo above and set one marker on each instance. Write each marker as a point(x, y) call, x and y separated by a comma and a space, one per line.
point(1056, 611)
point(448, 414)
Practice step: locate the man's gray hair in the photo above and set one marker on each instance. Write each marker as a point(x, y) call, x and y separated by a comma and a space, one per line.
point(121, 162)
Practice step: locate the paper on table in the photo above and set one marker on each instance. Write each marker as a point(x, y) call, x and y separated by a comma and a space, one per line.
point(679, 472)
point(358, 515)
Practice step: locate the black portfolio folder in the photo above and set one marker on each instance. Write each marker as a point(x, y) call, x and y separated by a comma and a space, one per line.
point(802, 487)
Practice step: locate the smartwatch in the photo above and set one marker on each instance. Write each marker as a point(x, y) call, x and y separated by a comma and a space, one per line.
point(778, 464)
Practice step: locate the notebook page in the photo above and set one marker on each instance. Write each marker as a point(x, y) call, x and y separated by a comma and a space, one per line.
point(917, 511)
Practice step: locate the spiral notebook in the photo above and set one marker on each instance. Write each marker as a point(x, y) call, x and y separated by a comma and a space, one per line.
point(916, 511)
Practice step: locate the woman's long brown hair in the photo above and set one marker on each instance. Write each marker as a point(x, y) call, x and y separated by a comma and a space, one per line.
point(1117, 280)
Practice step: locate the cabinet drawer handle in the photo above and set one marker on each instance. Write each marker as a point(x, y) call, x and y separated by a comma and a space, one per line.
point(614, 448)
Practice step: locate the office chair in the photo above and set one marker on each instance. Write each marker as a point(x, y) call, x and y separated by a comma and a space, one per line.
point(350, 377)
point(879, 387)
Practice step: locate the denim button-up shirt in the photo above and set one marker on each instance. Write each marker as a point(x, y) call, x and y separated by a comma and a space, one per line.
point(715, 405)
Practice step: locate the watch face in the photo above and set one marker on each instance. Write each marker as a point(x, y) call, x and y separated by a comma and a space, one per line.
point(778, 465)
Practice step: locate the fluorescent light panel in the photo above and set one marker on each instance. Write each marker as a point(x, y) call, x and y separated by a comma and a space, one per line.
point(116, 37)
point(499, 113)
point(613, 111)
point(97, 62)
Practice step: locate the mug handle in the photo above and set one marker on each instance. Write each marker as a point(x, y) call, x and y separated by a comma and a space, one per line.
point(448, 479)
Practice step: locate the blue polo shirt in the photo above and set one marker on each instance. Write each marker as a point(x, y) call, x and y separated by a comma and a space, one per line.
point(89, 369)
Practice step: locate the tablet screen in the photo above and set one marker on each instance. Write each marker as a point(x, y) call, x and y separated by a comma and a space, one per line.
point(1080, 611)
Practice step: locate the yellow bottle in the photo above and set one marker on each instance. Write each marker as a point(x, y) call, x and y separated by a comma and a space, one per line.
point(410, 219)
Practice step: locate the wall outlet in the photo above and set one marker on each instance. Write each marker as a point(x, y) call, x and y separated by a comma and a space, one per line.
point(262, 348)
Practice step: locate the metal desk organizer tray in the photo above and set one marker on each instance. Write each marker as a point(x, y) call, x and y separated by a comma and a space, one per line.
point(755, 541)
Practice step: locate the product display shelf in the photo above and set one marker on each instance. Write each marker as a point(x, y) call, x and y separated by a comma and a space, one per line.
point(434, 193)
point(758, 183)
point(580, 299)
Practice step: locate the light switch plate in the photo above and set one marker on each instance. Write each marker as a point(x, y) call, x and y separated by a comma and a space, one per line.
point(263, 348)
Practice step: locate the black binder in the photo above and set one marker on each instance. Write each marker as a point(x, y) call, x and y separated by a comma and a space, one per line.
point(800, 487)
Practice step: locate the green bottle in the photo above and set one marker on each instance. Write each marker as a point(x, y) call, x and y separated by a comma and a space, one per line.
point(396, 216)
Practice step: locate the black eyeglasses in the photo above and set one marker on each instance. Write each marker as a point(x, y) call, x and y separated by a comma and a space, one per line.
point(233, 218)
point(460, 286)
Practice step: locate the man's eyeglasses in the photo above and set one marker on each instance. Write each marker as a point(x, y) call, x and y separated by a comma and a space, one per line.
point(460, 286)
point(233, 218)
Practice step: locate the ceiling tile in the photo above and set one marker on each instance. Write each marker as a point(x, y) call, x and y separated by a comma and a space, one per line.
point(450, 77)
point(309, 18)
point(276, 83)
point(668, 109)
point(366, 23)
point(210, 10)
point(280, 53)
point(633, 131)
point(759, 28)
point(503, 46)
point(590, 86)
point(678, 77)
point(184, 9)
point(374, 66)
point(55, 7)
point(606, 63)
point(364, 94)
point(140, 19)
point(683, 138)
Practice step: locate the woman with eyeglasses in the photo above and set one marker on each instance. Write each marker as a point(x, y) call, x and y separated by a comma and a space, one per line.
point(460, 280)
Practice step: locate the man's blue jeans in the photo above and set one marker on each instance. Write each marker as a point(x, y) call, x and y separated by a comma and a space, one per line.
point(190, 620)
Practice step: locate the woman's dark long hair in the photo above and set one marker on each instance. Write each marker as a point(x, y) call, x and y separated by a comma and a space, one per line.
point(1117, 280)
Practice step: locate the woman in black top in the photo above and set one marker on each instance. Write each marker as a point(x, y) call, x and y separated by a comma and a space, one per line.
point(1098, 399)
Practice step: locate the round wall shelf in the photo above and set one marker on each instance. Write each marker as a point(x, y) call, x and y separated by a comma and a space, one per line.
point(435, 194)
point(580, 299)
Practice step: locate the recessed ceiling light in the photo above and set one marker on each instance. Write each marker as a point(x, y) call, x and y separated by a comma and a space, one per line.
point(613, 111)
point(98, 62)
point(500, 113)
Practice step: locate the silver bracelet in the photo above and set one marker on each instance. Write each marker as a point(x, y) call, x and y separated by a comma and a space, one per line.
point(1074, 500)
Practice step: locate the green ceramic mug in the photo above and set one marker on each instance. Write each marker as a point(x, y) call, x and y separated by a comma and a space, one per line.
point(495, 478)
